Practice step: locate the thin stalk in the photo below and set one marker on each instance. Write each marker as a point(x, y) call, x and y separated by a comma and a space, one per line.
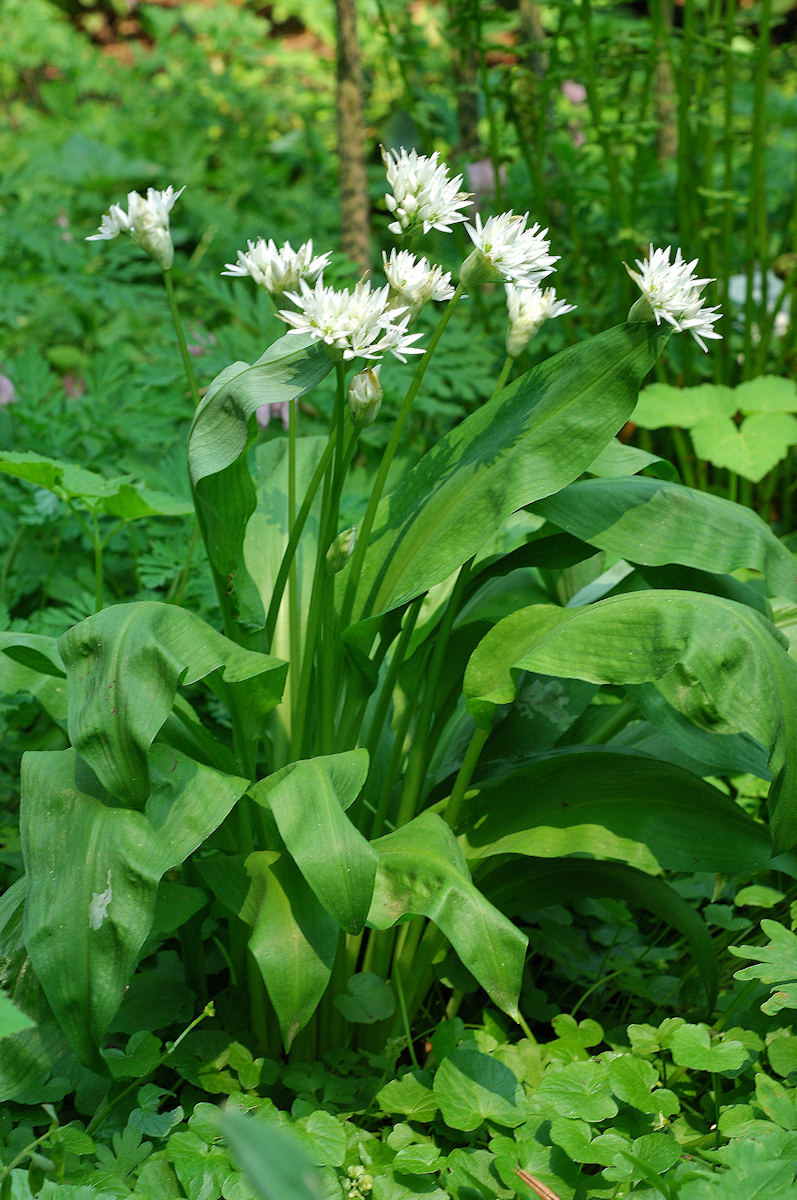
point(181, 342)
point(293, 602)
point(377, 722)
point(295, 536)
point(504, 374)
point(419, 755)
point(176, 591)
point(464, 775)
point(756, 247)
point(366, 525)
point(684, 456)
point(489, 106)
point(312, 628)
point(618, 716)
point(685, 100)
point(393, 766)
point(98, 574)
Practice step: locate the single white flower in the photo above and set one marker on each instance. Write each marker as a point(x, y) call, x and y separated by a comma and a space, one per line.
point(506, 249)
point(423, 195)
point(528, 307)
point(413, 281)
point(358, 324)
point(147, 222)
point(365, 396)
point(672, 292)
point(278, 270)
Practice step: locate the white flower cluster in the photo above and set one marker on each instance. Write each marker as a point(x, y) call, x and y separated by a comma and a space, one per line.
point(278, 270)
point(147, 222)
point(671, 292)
point(506, 249)
point(423, 196)
point(528, 307)
point(413, 281)
point(354, 324)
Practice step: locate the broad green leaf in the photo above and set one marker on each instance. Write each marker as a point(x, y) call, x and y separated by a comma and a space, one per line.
point(123, 668)
point(655, 522)
point(293, 939)
point(367, 999)
point(307, 800)
point(776, 965)
point(661, 404)
point(719, 663)
point(411, 1096)
point(472, 1087)
point(422, 872)
point(606, 804)
point(119, 497)
point(751, 449)
point(692, 1047)
point(93, 873)
point(12, 1019)
point(30, 662)
point(223, 429)
point(618, 459)
point(521, 886)
point(767, 393)
point(578, 1090)
point(36, 1062)
point(273, 1160)
point(529, 441)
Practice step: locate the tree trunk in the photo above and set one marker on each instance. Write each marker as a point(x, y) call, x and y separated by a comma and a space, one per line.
point(353, 181)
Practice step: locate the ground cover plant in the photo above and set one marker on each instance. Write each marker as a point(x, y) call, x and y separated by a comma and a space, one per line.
point(421, 803)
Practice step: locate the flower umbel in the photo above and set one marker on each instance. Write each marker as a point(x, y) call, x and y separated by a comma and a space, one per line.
point(358, 324)
point(506, 249)
point(423, 194)
point(528, 307)
point(147, 222)
point(672, 292)
point(413, 281)
point(278, 270)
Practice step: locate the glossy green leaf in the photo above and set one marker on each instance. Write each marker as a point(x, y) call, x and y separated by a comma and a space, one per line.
point(656, 522)
point(521, 886)
point(751, 449)
point(621, 459)
point(532, 439)
point(411, 1096)
point(606, 804)
point(422, 872)
point(93, 873)
point(719, 663)
point(12, 1019)
point(223, 429)
point(472, 1087)
point(293, 939)
point(119, 497)
point(35, 1063)
point(123, 667)
point(308, 800)
point(367, 999)
point(30, 662)
point(273, 1160)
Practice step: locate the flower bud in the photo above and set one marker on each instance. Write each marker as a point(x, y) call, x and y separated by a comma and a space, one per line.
point(341, 550)
point(365, 397)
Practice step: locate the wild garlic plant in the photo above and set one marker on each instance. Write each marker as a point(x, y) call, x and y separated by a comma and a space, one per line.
point(411, 759)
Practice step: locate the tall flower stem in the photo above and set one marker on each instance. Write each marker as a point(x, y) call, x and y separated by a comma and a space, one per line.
point(506, 370)
point(295, 536)
point(366, 525)
point(181, 342)
point(293, 605)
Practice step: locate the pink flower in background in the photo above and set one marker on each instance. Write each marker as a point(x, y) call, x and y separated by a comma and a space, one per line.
point(62, 221)
point(573, 91)
point(8, 392)
point(481, 178)
point(203, 341)
point(74, 385)
point(279, 410)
